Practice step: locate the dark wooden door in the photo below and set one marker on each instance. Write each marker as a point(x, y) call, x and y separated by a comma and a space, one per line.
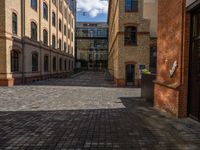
point(194, 87)
point(130, 73)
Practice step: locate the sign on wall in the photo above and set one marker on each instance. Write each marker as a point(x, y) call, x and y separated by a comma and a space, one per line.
point(173, 69)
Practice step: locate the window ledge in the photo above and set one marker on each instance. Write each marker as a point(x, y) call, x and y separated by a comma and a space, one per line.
point(34, 9)
point(136, 11)
point(130, 45)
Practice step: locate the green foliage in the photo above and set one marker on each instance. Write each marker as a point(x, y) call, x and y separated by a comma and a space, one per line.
point(145, 71)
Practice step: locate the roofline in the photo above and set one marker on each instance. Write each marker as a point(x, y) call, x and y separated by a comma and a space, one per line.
point(109, 6)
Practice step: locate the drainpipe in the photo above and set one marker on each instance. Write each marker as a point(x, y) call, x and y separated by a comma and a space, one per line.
point(40, 43)
point(181, 59)
point(22, 38)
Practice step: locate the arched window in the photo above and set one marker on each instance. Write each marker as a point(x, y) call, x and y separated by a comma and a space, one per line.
point(130, 35)
point(60, 25)
point(34, 4)
point(60, 64)
point(46, 63)
point(14, 23)
point(54, 64)
point(65, 30)
point(65, 13)
point(131, 5)
point(54, 41)
point(33, 31)
point(45, 11)
point(34, 62)
point(60, 44)
point(14, 61)
point(53, 19)
point(45, 37)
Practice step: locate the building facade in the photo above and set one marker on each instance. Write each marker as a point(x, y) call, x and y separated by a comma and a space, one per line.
point(151, 13)
point(91, 45)
point(129, 40)
point(37, 40)
point(177, 86)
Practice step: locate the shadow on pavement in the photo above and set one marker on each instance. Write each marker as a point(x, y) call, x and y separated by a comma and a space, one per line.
point(137, 126)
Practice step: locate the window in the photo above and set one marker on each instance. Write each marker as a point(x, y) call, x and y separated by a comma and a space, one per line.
point(60, 64)
point(65, 65)
point(65, 47)
point(45, 37)
point(72, 65)
point(131, 5)
point(45, 11)
point(69, 34)
point(60, 25)
point(69, 65)
point(46, 63)
point(72, 37)
point(130, 36)
point(53, 19)
point(34, 62)
point(65, 30)
point(54, 64)
point(14, 61)
point(34, 4)
point(60, 44)
point(53, 41)
point(14, 23)
point(65, 13)
point(33, 31)
point(72, 23)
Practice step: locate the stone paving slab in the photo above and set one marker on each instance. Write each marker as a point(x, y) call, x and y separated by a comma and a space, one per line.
point(69, 115)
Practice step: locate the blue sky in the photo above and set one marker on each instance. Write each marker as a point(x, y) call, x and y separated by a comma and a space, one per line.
point(98, 18)
point(92, 10)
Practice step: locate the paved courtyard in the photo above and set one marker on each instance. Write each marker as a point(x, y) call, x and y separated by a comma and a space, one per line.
point(88, 113)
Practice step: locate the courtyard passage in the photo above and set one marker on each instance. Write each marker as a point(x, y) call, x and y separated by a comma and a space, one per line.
point(88, 113)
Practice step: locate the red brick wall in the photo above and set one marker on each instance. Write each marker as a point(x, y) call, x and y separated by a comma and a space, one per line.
point(172, 39)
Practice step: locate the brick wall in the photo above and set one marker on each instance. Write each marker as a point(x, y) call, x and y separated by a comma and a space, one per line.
point(171, 92)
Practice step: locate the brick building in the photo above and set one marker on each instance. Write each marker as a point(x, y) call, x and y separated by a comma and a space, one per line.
point(129, 40)
point(177, 87)
point(37, 40)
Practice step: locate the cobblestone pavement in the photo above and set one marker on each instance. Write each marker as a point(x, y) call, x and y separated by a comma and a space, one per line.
point(53, 115)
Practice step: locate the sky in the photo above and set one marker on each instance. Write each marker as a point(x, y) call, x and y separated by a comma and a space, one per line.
point(92, 10)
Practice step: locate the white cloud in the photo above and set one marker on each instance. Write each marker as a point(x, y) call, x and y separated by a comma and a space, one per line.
point(93, 7)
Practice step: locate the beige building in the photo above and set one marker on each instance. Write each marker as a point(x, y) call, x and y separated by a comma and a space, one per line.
point(150, 12)
point(36, 40)
point(129, 41)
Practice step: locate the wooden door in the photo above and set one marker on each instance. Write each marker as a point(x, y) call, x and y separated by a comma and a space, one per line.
point(194, 88)
point(130, 74)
